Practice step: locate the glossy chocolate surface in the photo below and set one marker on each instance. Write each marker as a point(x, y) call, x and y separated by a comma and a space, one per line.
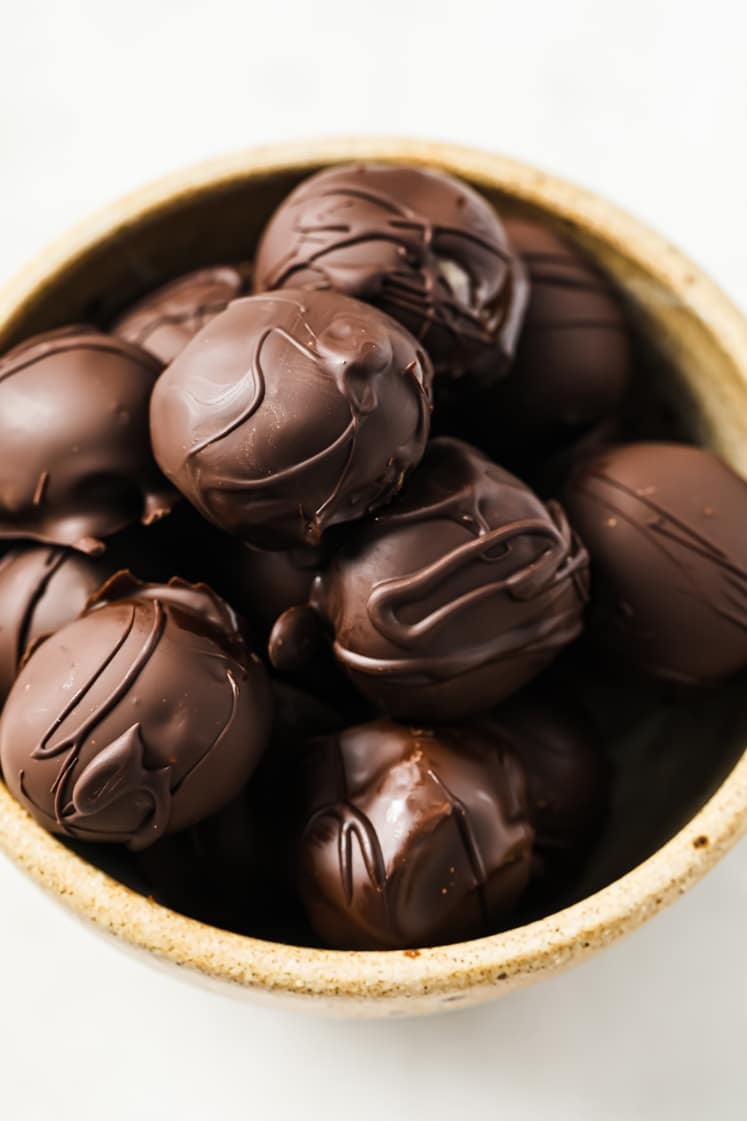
point(42, 587)
point(455, 595)
point(666, 528)
point(75, 457)
point(164, 321)
point(417, 243)
point(140, 718)
point(292, 412)
point(411, 837)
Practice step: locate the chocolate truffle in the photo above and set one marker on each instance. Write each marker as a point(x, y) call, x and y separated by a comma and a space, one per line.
point(75, 456)
point(567, 774)
point(291, 412)
point(140, 718)
point(263, 583)
point(164, 321)
point(573, 359)
point(234, 869)
point(451, 598)
point(666, 528)
point(42, 587)
point(411, 837)
point(422, 246)
point(212, 870)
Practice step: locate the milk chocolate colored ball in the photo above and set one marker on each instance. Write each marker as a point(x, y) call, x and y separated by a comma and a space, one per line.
point(666, 528)
point(75, 457)
point(140, 718)
point(455, 595)
point(411, 837)
point(164, 321)
point(417, 243)
point(42, 587)
point(291, 412)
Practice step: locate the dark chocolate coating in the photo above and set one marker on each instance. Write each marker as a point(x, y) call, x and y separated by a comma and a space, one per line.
point(666, 528)
point(422, 246)
point(411, 837)
point(573, 358)
point(234, 869)
point(75, 457)
point(165, 320)
point(567, 774)
point(291, 412)
point(140, 718)
point(212, 870)
point(263, 583)
point(42, 587)
point(455, 595)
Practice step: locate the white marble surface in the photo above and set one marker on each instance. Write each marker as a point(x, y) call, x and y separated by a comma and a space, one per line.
point(644, 101)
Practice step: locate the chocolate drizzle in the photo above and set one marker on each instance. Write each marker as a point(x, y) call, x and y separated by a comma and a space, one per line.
point(423, 247)
point(52, 561)
point(726, 595)
point(164, 321)
point(313, 416)
point(411, 837)
point(467, 570)
point(573, 360)
point(41, 589)
point(76, 464)
point(664, 526)
point(154, 688)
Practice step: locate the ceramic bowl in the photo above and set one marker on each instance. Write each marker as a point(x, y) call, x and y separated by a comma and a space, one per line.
point(681, 795)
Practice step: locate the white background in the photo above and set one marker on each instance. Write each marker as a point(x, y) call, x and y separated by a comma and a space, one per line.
point(644, 101)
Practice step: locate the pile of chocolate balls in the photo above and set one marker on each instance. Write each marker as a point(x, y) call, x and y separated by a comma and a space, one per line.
point(281, 606)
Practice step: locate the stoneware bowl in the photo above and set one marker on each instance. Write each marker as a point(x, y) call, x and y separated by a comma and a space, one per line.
point(681, 794)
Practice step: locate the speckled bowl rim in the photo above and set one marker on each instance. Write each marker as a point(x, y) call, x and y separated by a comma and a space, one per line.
point(417, 980)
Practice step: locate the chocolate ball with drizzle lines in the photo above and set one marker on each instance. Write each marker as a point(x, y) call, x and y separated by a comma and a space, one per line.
point(42, 587)
point(411, 837)
point(422, 246)
point(666, 529)
point(452, 597)
point(76, 464)
point(142, 717)
point(165, 320)
point(292, 412)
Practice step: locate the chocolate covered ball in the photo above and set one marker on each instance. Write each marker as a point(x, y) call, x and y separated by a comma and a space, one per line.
point(42, 588)
point(75, 456)
point(292, 412)
point(234, 868)
point(452, 597)
point(140, 718)
point(666, 528)
point(573, 358)
point(165, 320)
point(263, 583)
point(411, 837)
point(567, 774)
point(421, 245)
